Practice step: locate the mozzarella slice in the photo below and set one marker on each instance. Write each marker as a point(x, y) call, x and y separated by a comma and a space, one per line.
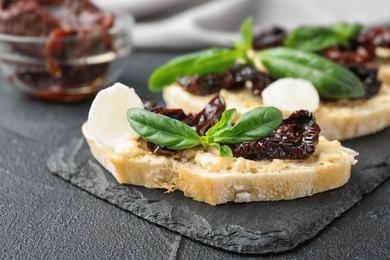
point(107, 118)
point(290, 94)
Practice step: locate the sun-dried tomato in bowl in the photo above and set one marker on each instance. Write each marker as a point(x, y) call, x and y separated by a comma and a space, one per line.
point(62, 50)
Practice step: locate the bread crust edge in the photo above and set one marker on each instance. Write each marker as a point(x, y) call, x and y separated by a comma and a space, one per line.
point(154, 171)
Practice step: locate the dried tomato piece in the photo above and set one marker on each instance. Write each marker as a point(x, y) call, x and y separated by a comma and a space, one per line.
point(374, 36)
point(361, 49)
point(360, 54)
point(246, 73)
point(8, 3)
point(206, 84)
point(64, 23)
point(369, 78)
point(208, 117)
point(272, 37)
point(295, 139)
point(160, 150)
point(5, 3)
point(149, 103)
point(27, 19)
point(175, 113)
point(234, 78)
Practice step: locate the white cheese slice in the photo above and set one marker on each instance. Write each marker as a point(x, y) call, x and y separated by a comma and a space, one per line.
point(290, 94)
point(107, 118)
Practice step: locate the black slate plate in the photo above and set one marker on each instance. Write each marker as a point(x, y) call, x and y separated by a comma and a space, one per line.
point(254, 228)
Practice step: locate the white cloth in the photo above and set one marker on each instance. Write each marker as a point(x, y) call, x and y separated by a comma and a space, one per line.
point(196, 24)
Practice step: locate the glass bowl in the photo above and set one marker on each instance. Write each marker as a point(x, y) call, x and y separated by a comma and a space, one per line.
point(67, 68)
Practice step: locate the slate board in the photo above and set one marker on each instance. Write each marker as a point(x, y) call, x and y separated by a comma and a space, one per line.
point(252, 228)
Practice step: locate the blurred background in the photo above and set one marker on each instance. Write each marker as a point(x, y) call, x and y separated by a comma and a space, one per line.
point(173, 24)
point(78, 58)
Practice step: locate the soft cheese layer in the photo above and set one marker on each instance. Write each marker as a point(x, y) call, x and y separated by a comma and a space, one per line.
point(290, 94)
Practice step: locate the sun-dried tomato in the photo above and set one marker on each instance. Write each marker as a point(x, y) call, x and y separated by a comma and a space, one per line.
point(234, 78)
point(57, 20)
point(272, 37)
point(361, 49)
point(358, 55)
point(374, 36)
point(296, 138)
point(369, 78)
point(149, 103)
point(208, 117)
point(206, 84)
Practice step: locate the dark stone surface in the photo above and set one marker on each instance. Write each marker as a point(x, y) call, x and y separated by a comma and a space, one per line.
point(44, 217)
point(274, 226)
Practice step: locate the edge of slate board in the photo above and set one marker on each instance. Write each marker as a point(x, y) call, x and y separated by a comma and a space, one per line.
point(74, 163)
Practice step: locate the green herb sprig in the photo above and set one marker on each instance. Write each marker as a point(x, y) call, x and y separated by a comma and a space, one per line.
point(203, 62)
point(175, 135)
point(316, 38)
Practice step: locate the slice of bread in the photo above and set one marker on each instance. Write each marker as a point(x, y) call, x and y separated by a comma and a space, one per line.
point(215, 180)
point(339, 120)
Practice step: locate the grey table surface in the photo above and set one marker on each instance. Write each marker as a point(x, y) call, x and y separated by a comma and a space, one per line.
point(44, 217)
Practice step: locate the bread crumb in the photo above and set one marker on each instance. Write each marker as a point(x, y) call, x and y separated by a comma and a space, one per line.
point(238, 187)
point(242, 197)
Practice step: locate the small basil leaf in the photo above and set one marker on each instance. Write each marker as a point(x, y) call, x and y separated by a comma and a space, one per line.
point(247, 35)
point(311, 38)
point(226, 119)
point(201, 62)
point(345, 31)
point(224, 150)
point(316, 38)
point(330, 79)
point(218, 62)
point(251, 126)
point(167, 73)
point(162, 130)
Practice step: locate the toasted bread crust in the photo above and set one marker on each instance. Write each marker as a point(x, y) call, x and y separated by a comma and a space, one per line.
point(264, 186)
point(141, 168)
point(384, 72)
point(339, 120)
point(235, 179)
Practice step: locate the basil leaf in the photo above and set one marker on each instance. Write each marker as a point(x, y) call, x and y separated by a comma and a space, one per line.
point(330, 79)
point(345, 31)
point(162, 130)
point(311, 38)
point(251, 126)
point(201, 62)
point(226, 119)
point(219, 61)
point(224, 150)
point(316, 38)
point(247, 35)
point(176, 135)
